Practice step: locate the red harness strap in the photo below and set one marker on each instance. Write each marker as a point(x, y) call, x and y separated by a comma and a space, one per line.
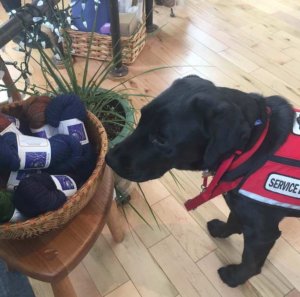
point(216, 187)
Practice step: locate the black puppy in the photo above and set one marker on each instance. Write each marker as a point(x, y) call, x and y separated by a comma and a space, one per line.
point(194, 125)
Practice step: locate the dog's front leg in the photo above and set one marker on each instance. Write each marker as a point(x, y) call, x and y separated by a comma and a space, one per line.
point(221, 229)
point(257, 245)
point(233, 225)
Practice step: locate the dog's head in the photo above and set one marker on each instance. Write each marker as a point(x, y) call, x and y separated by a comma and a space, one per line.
point(192, 125)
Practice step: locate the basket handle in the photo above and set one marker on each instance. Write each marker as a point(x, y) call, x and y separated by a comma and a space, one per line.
point(12, 92)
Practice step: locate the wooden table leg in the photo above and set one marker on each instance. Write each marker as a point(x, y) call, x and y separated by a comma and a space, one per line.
point(114, 223)
point(63, 288)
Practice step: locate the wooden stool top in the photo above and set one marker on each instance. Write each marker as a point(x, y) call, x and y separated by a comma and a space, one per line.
point(53, 255)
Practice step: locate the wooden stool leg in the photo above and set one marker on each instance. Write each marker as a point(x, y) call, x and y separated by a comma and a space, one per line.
point(114, 223)
point(63, 288)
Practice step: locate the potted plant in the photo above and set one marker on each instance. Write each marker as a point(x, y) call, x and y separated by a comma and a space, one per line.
point(111, 105)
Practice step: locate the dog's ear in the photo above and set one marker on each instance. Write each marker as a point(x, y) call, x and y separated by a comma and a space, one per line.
point(225, 127)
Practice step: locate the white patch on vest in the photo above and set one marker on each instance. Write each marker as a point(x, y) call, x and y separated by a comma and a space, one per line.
point(284, 185)
point(296, 127)
point(263, 199)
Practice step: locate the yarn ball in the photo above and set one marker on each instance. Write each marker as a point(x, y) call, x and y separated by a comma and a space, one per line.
point(86, 166)
point(37, 194)
point(66, 153)
point(4, 121)
point(34, 110)
point(6, 206)
point(65, 107)
point(9, 158)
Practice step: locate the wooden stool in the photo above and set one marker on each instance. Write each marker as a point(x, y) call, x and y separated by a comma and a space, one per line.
point(50, 257)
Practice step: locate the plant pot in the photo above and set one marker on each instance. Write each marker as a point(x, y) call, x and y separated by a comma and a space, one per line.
point(115, 103)
point(129, 115)
point(123, 187)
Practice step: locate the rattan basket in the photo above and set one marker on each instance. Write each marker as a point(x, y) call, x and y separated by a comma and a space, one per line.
point(56, 219)
point(101, 47)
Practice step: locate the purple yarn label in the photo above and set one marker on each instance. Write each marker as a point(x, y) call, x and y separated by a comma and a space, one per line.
point(35, 160)
point(77, 131)
point(46, 132)
point(34, 152)
point(75, 128)
point(41, 134)
point(65, 183)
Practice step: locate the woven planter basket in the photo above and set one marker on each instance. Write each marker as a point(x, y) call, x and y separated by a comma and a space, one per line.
point(101, 48)
point(56, 219)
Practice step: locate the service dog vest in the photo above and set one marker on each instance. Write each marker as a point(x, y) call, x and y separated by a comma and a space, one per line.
point(276, 182)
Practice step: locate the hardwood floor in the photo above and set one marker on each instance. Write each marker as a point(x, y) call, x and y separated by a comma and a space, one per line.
point(246, 44)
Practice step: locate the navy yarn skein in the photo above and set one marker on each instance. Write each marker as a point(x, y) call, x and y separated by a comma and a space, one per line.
point(9, 158)
point(66, 153)
point(86, 166)
point(65, 107)
point(37, 194)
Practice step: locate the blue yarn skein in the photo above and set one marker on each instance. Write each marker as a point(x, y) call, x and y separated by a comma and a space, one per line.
point(86, 166)
point(65, 107)
point(9, 158)
point(66, 153)
point(37, 194)
point(84, 169)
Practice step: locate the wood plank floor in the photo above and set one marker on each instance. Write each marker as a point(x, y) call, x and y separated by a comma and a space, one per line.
point(246, 44)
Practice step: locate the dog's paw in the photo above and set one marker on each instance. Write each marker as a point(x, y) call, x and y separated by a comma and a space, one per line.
point(235, 275)
point(216, 228)
point(229, 275)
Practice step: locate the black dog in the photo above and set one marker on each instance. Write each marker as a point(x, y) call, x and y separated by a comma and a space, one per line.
point(194, 125)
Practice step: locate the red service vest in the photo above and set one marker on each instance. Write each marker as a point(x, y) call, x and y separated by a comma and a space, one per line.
point(277, 182)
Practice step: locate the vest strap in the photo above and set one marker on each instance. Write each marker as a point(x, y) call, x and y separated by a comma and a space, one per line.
point(217, 187)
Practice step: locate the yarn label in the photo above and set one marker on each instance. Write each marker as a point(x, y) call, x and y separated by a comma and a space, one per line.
point(11, 128)
point(34, 152)
point(46, 131)
point(14, 120)
point(65, 184)
point(75, 128)
point(16, 176)
point(17, 217)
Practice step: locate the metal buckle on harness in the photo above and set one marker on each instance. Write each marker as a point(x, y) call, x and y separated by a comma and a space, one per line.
point(205, 175)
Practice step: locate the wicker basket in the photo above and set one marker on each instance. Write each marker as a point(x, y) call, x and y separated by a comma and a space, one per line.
point(56, 219)
point(101, 48)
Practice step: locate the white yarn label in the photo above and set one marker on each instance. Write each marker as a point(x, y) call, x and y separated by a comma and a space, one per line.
point(75, 128)
point(46, 131)
point(17, 217)
point(14, 120)
point(11, 128)
point(65, 184)
point(34, 152)
point(16, 176)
